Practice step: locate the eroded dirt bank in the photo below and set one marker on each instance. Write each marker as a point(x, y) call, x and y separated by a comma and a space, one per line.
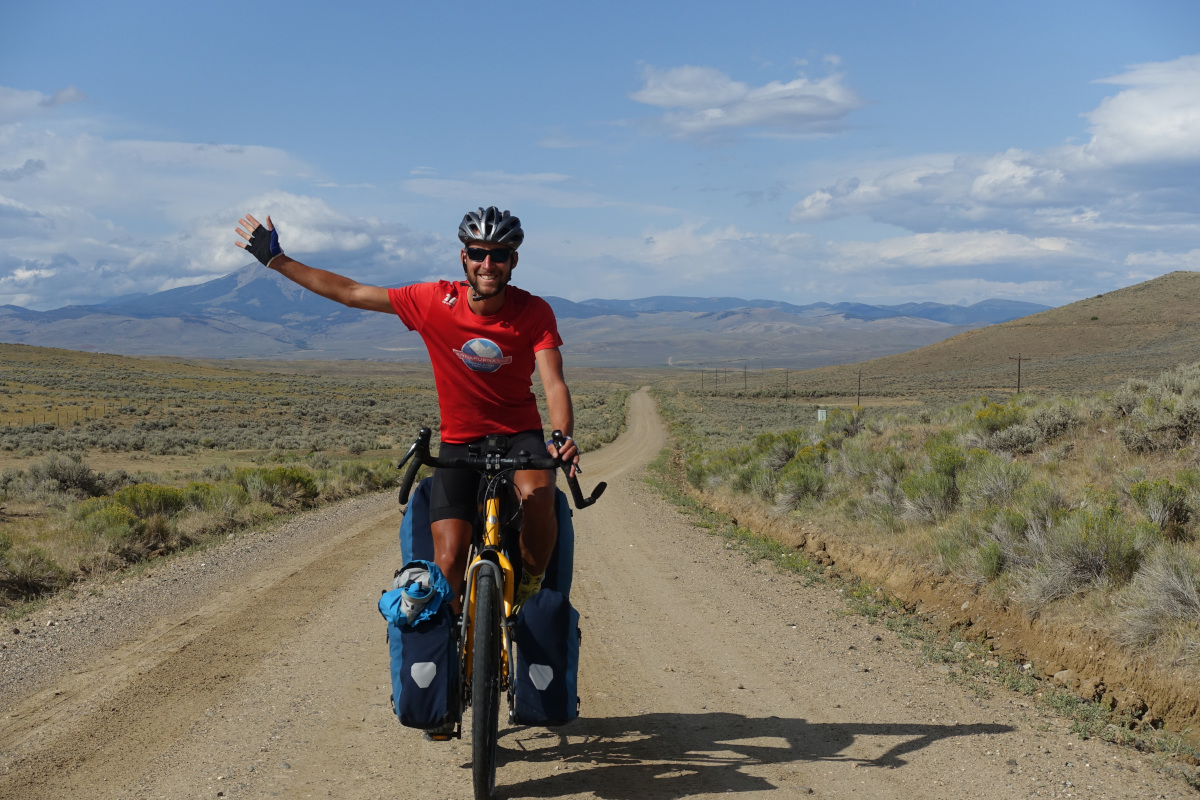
point(264, 674)
point(1071, 656)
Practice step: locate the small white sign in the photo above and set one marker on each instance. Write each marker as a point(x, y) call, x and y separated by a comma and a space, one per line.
point(821, 414)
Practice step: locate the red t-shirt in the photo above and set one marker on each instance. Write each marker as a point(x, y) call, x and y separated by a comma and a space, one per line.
point(482, 366)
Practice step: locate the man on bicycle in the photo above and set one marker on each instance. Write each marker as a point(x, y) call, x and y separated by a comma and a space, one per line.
point(484, 338)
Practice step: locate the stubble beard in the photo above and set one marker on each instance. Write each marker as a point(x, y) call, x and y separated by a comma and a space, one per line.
point(477, 294)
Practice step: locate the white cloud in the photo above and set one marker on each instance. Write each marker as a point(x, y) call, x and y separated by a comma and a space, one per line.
point(18, 220)
point(690, 258)
point(1169, 261)
point(18, 104)
point(1136, 175)
point(940, 250)
point(696, 258)
point(63, 172)
point(1122, 207)
point(1011, 177)
point(713, 103)
point(367, 250)
point(1155, 120)
point(32, 166)
point(83, 218)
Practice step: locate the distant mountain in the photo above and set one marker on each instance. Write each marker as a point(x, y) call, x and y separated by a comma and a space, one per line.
point(987, 311)
point(257, 313)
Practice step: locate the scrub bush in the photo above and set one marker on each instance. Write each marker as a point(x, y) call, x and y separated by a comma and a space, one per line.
point(932, 494)
point(1163, 602)
point(995, 417)
point(69, 473)
point(929, 496)
point(990, 560)
point(149, 499)
point(800, 481)
point(1083, 551)
point(1021, 439)
point(992, 480)
point(1054, 421)
point(1164, 504)
point(28, 572)
point(278, 486)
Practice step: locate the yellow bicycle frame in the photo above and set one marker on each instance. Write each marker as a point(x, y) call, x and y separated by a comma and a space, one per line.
point(491, 539)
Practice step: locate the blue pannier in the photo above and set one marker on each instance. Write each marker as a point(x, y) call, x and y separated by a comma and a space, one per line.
point(423, 649)
point(547, 669)
point(424, 670)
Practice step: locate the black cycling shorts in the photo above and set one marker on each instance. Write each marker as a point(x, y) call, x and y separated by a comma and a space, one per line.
point(455, 493)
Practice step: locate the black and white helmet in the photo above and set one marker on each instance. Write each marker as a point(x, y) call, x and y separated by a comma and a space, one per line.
point(491, 225)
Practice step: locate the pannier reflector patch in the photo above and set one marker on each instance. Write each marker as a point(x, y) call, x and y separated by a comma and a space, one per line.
point(424, 673)
point(541, 675)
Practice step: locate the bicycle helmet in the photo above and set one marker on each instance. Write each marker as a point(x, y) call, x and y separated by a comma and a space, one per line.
point(491, 225)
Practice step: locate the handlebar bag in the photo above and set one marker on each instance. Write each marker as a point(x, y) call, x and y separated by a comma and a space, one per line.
point(545, 684)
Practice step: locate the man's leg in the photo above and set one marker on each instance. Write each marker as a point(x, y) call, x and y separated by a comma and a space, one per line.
point(452, 510)
point(451, 540)
point(539, 529)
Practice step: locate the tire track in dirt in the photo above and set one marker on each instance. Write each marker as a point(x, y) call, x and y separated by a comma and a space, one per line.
point(149, 699)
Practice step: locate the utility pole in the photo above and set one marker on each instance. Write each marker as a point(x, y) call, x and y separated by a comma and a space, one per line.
point(858, 402)
point(1018, 359)
point(785, 383)
point(744, 384)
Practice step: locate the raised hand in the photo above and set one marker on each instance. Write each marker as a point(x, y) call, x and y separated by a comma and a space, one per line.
point(261, 242)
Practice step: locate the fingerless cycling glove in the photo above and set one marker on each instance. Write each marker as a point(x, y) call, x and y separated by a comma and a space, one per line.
point(264, 245)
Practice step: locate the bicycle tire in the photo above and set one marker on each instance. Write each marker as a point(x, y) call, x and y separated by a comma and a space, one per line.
point(485, 689)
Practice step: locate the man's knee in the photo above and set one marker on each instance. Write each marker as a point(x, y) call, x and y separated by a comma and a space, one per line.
point(537, 494)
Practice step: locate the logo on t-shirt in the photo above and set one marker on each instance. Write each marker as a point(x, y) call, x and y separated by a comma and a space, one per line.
point(483, 355)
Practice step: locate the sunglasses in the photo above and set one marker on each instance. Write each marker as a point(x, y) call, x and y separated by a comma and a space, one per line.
point(500, 255)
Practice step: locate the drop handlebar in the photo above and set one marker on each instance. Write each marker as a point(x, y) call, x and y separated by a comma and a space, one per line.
point(492, 463)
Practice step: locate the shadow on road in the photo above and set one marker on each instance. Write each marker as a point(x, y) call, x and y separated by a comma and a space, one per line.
point(673, 755)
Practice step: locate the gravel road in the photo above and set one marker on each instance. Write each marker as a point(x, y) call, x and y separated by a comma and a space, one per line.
point(258, 669)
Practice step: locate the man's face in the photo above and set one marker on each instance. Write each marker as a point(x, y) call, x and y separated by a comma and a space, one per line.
point(487, 276)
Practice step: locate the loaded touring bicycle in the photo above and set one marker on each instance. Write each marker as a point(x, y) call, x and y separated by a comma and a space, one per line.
point(443, 664)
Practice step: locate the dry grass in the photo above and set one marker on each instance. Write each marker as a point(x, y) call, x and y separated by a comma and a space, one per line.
point(1080, 512)
point(107, 460)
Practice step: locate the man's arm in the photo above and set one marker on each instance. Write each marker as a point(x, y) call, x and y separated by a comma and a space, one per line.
point(558, 399)
point(330, 285)
point(335, 287)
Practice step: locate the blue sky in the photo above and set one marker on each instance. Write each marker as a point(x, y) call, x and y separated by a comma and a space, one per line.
point(882, 152)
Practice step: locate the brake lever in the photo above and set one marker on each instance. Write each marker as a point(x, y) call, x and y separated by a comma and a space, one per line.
point(581, 502)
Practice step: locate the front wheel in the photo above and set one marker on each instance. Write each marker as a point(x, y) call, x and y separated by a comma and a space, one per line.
point(485, 685)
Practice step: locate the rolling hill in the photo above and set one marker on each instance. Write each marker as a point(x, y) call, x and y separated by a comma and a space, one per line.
point(1138, 331)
